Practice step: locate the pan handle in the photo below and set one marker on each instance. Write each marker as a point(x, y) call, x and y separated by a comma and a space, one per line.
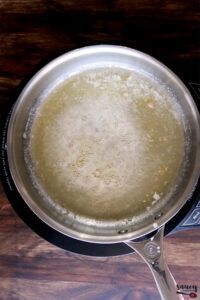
point(151, 251)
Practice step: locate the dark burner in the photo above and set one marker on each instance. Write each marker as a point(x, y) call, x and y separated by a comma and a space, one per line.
point(187, 217)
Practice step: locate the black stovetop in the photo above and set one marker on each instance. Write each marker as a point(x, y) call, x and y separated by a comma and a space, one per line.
point(187, 217)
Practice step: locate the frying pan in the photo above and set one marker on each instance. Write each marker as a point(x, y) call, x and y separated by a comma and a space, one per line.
point(132, 232)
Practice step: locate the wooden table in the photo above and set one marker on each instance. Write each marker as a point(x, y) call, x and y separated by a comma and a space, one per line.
point(31, 34)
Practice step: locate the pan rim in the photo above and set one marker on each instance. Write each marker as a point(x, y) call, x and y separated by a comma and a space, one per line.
point(44, 216)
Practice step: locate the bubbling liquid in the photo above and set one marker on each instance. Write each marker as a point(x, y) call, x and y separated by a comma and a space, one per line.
point(106, 144)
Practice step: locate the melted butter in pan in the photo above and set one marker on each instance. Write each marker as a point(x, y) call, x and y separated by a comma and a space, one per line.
point(107, 144)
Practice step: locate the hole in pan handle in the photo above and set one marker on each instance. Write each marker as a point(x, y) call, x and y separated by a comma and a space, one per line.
point(151, 251)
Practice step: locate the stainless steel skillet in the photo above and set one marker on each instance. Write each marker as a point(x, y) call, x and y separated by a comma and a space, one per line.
point(124, 230)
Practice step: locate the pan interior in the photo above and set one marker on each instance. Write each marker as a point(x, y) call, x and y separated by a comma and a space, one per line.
point(105, 145)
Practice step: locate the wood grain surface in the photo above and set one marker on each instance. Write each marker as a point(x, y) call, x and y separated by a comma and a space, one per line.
point(31, 34)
